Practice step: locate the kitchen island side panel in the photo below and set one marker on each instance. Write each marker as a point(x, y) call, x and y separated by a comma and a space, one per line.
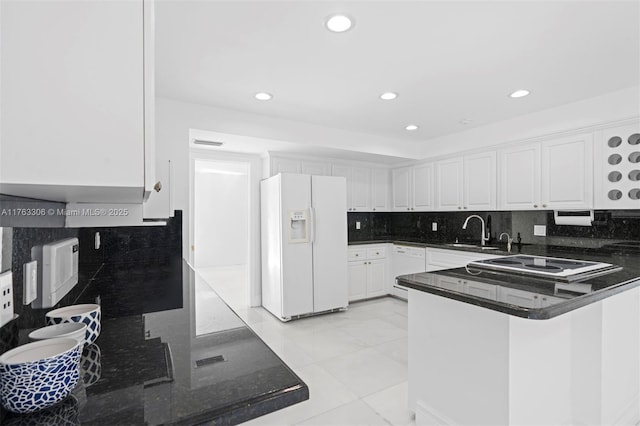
point(469, 365)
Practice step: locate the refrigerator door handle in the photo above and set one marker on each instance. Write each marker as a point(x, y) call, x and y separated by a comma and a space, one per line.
point(312, 225)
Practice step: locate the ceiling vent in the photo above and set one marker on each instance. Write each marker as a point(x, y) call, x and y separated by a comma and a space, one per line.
point(208, 143)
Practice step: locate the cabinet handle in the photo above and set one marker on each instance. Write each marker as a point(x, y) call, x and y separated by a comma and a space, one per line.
point(158, 186)
point(535, 205)
point(408, 208)
point(535, 297)
point(357, 255)
point(374, 209)
point(465, 207)
point(377, 252)
point(459, 208)
point(544, 205)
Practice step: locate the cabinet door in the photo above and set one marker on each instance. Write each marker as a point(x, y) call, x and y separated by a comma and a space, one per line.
point(284, 165)
point(423, 187)
point(480, 184)
point(379, 190)
point(520, 178)
point(315, 169)
point(357, 280)
point(73, 100)
point(567, 173)
point(345, 172)
point(449, 184)
point(360, 189)
point(401, 183)
point(376, 278)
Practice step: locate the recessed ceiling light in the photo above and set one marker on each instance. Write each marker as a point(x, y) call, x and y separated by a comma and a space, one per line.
point(263, 96)
point(519, 93)
point(339, 23)
point(388, 96)
point(411, 127)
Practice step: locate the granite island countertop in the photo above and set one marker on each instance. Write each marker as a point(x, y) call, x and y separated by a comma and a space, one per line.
point(527, 296)
point(167, 355)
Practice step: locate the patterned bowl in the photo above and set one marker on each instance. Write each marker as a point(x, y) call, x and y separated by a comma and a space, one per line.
point(71, 330)
point(88, 314)
point(38, 375)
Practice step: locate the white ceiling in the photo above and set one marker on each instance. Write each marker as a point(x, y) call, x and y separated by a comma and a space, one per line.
point(448, 60)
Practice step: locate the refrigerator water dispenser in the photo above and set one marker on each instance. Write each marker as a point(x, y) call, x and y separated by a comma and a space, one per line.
point(299, 226)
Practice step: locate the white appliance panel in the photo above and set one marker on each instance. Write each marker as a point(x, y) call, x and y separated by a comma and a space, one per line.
point(407, 260)
point(271, 245)
point(297, 262)
point(329, 236)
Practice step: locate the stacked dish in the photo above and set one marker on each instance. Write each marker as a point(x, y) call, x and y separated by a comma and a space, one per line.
point(88, 314)
point(38, 375)
point(70, 330)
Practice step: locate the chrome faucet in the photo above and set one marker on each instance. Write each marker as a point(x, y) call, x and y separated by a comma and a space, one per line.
point(509, 241)
point(484, 237)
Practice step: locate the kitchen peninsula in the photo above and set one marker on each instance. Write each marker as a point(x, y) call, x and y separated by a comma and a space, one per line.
point(488, 347)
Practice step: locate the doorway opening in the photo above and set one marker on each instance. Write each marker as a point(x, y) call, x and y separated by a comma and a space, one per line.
point(222, 226)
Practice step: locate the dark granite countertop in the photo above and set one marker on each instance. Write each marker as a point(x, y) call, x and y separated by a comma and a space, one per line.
point(158, 362)
point(537, 298)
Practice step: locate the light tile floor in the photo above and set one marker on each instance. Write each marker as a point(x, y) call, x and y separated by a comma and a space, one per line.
point(354, 362)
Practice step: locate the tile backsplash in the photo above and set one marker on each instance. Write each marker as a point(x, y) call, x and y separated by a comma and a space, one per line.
point(126, 245)
point(608, 226)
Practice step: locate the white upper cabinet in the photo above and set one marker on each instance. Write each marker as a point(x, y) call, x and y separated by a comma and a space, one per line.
point(284, 165)
point(379, 190)
point(449, 185)
point(413, 188)
point(555, 174)
point(77, 100)
point(567, 173)
point(315, 168)
point(520, 178)
point(358, 186)
point(466, 183)
point(402, 188)
point(422, 180)
point(480, 184)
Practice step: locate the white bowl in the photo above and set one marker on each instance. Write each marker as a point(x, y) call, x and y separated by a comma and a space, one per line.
point(88, 314)
point(71, 330)
point(38, 375)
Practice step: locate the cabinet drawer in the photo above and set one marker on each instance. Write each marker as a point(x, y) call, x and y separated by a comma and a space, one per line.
point(376, 253)
point(357, 254)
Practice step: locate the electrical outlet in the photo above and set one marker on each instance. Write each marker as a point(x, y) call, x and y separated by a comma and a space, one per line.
point(434, 226)
point(357, 225)
point(6, 298)
point(30, 282)
point(540, 230)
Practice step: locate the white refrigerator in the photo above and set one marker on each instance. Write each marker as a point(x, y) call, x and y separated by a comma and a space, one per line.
point(304, 244)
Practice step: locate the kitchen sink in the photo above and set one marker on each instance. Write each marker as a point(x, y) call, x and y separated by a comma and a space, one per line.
point(475, 246)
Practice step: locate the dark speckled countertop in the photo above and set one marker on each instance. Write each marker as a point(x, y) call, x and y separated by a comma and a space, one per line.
point(157, 362)
point(538, 298)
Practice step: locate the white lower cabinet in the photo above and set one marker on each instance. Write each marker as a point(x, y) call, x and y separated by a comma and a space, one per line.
point(367, 271)
point(438, 259)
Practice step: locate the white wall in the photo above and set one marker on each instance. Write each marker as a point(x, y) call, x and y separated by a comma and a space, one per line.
point(175, 119)
point(614, 106)
point(221, 227)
